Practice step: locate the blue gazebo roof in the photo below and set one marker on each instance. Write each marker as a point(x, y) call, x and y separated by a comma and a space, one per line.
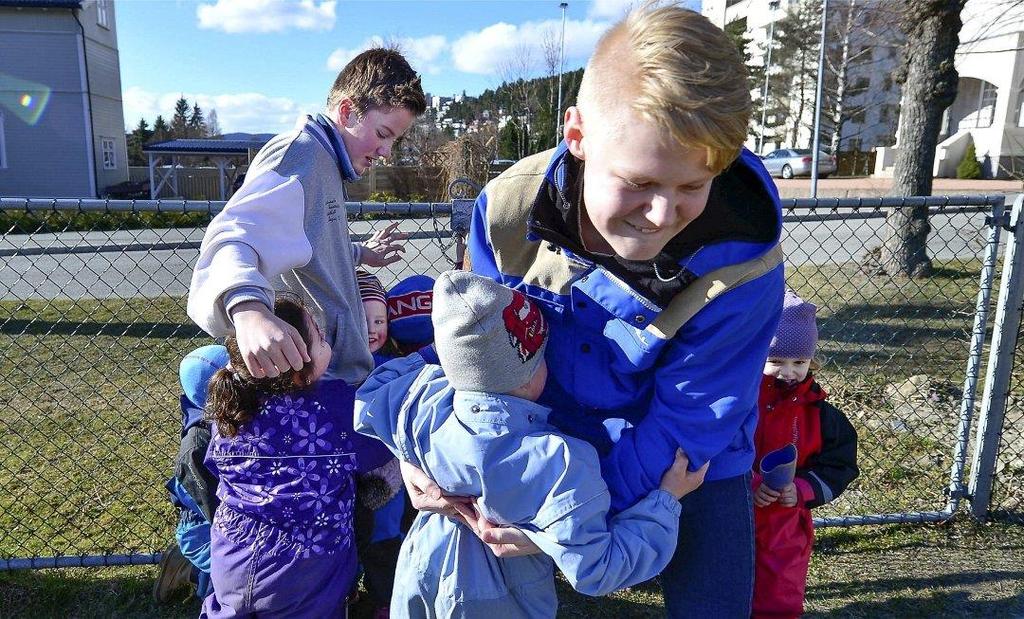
point(205, 146)
point(42, 4)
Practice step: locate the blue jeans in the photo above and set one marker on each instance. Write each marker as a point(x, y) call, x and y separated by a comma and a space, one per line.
point(712, 571)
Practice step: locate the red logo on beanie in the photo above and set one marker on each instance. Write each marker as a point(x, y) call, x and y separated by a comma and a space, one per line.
point(413, 303)
point(525, 325)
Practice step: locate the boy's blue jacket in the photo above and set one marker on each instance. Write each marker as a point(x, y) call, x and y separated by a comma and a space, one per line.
point(634, 395)
point(501, 449)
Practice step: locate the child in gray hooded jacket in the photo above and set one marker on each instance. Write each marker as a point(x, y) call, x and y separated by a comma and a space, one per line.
point(474, 426)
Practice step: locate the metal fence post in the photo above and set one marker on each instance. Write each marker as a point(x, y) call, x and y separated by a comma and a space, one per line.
point(1000, 364)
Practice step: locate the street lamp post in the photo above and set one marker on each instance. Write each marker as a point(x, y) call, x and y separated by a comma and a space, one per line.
point(561, 58)
point(774, 4)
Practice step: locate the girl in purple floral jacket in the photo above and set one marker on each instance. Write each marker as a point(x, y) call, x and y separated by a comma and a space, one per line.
point(286, 456)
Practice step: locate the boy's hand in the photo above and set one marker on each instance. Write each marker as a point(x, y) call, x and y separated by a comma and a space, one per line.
point(383, 247)
point(765, 496)
point(268, 344)
point(788, 495)
point(678, 480)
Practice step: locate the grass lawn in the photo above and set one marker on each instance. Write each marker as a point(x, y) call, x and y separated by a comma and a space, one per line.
point(89, 426)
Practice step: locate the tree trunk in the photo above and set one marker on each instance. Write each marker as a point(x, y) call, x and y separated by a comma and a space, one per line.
point(841, 73)
point(932, 28)
point(800, 99)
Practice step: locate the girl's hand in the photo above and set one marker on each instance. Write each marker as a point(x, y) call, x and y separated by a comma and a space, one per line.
point(426, 496)
point(765, 496)
point(503, 541)
point(788, 495)
point(678, 480)
point(268, 344)
point(383, 248)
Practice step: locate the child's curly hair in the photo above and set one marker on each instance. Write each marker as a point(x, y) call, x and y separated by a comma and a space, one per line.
point(234, 396)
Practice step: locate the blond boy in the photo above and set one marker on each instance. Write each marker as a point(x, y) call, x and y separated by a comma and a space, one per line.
point(649, 239)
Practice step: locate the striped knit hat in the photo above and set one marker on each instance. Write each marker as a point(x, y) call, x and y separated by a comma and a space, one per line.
point(370, 288)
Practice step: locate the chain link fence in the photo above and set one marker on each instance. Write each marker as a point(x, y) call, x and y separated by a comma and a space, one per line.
point(1008, 473)
point(93, 325)
point(997, 475)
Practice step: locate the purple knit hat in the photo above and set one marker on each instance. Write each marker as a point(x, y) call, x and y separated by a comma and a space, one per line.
point(797, 334)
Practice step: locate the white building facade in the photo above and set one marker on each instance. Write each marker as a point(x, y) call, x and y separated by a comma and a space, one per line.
point(989, 106)
point(871, 99)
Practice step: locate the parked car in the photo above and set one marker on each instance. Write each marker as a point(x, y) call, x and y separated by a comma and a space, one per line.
point(790, 162)
point(127, 190)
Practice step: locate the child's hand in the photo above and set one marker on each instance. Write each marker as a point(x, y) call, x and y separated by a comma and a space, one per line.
point(678, 480)
point(765, 496)
point(788, 496)
point(504, 541)
point(425, 495)
point(383, 247)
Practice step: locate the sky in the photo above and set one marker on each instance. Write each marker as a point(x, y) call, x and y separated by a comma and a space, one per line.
point(262, 63)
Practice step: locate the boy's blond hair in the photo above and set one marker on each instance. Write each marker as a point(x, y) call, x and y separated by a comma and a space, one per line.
point(378, 78)
point(676, 69)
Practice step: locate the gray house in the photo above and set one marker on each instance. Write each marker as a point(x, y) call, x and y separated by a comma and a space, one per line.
point(61, 118)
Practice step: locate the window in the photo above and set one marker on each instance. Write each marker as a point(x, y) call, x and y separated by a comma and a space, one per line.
point(858, 116)
point(987, 104)
point(109, 155)
point(887, 83)
point(1020, 112)
point(101, 13)
point(860, 86)
point(3, 149)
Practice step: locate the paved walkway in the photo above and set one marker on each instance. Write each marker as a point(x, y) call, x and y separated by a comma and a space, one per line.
point(871, 187)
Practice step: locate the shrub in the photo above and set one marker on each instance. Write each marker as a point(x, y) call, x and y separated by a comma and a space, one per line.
point(969, 166)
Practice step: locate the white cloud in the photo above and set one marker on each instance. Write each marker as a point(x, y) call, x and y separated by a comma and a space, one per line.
point(485, 51)
point(423, 53)
point(249, 112)
point(610, 9)
point(234, 16)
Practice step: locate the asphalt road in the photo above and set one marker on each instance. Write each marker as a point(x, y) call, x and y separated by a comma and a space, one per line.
point(76, 265)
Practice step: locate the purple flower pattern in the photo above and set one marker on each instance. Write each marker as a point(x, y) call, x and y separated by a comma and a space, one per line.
point(292, 466)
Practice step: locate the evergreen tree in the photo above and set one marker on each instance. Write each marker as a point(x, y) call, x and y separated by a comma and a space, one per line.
point(136, 140)
point(508, 142)
point(179, 122)
point(196, 123)
point(795, 73)
point(161, 132)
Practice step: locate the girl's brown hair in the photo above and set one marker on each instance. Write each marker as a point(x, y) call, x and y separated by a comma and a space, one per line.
point(235, 396)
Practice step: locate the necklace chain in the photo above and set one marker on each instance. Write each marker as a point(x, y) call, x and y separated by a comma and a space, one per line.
point(664, 279)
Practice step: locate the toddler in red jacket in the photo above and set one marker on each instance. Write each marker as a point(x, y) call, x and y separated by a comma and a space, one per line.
point(806, 455)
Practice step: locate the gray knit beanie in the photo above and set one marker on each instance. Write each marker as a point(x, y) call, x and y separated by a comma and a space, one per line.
point(488, 337)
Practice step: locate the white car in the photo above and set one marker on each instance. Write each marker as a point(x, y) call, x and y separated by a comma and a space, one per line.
point(790, 162)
